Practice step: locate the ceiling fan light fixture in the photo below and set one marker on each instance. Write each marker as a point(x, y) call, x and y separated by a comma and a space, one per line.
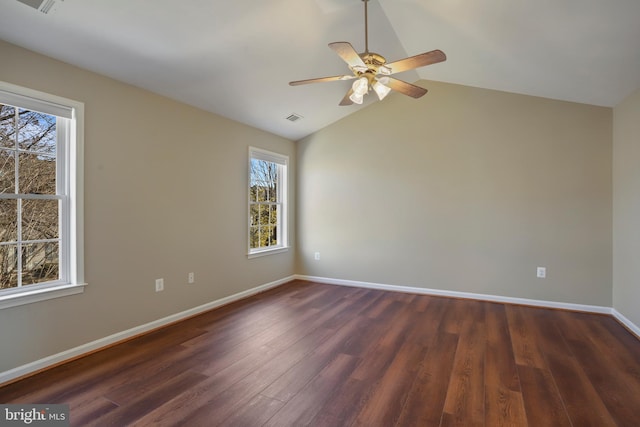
point(381, 90)
point(355, 98)
point(360, 86)
point(384, 70)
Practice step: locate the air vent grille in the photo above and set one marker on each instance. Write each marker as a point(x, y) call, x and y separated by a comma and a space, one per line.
point(33, 3)
point(44, 6)
point(293, 117)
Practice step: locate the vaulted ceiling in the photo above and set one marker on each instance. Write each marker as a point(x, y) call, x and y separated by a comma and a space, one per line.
point(235, 58)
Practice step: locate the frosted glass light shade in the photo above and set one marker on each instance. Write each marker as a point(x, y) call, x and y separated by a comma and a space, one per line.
point(361, 86)
point(355, 98)
point(381, 90)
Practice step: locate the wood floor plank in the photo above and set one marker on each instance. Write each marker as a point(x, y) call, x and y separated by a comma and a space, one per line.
point(89, 410)
point(456, 315)
point(622, 349)
point(96, 373)
point(358, 303)
point(425, 401)
point(432, 311)
point(381, 306)
point(149, 400)
point(397, 321)
point(612, 384)
point(323, 355)
point(385, 401)
point(526, 348)
point(199, 401)
point(294, 379)
point(630, 342)
point(277, 337)
point(542, 400)
point(582, 402)
point(338, 408)
point(504, 405)
point(464, 404)
point(144, 381)
point(423, 302)
point(303, 408)
point(255, 413)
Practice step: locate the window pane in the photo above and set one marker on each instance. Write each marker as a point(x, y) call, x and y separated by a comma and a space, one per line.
point(39, 263)
point(254, 237)
point(263, 175)
point(267, 191)
point(264, 215)
point(39, 219)
point(271, 237)
point(7, 171)
point(253, 214)
point(7, 126)
point(36, 132)
point(273, 195)
point(273, 215)
point(262, 192)
point(9, 266)
point(8, 220)
point(37, 174)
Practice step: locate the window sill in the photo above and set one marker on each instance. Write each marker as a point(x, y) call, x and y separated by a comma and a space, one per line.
point(42, 294)
point(265, 252)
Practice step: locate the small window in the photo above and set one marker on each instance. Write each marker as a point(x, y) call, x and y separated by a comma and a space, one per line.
point(267, 202)
point(40, 204)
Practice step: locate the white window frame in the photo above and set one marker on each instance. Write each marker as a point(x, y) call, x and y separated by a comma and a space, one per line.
point(70, 179)
point(283, 190)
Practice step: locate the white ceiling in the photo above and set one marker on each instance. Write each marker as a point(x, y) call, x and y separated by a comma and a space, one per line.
point(236, 57)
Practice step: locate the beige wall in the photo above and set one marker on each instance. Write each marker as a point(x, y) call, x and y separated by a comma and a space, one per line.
point(626, 208)
point(464, 190)
point(165, 194)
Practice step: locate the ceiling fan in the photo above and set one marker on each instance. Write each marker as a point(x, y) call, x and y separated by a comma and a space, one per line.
point(371, 70)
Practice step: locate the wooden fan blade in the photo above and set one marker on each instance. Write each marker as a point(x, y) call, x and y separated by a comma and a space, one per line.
point(406, 88)
point(417, 61)
point(346, 100)
point(320, 79)
point(348, 54)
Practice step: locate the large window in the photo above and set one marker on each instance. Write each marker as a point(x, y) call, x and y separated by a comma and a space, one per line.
point(267, 202)
point(40, 196)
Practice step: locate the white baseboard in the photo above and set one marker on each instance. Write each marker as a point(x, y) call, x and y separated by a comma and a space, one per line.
point(626, 322)
point(456, 294)
point(92, 346)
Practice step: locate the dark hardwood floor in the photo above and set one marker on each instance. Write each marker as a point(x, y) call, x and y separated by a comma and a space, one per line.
point(322, 355)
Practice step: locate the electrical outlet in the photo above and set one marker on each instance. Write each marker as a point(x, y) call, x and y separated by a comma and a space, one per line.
point(191, 278)
point(316, 256)
point(541, 272)
point(159, 285)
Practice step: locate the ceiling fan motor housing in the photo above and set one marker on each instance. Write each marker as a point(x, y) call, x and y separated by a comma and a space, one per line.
point(373, 62)
point(373, 59)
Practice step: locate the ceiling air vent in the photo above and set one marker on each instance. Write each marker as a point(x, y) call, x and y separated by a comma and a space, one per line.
point(44, 6)
point(294, 117)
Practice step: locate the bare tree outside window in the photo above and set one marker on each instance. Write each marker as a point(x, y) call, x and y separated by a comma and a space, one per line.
point(29, 216)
